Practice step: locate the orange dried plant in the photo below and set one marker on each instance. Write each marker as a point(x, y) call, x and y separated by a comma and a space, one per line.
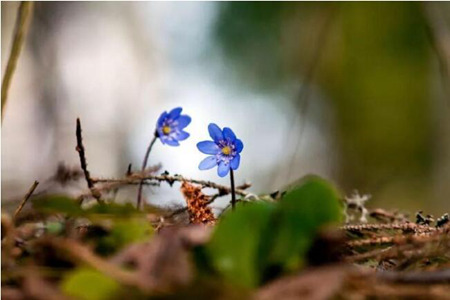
point(197, 204)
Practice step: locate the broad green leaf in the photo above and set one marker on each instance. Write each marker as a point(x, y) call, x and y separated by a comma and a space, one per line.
point(89, 284)
point(237, 240)
point(299, 216)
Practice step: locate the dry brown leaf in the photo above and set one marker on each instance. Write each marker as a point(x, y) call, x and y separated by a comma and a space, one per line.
point(197, 204)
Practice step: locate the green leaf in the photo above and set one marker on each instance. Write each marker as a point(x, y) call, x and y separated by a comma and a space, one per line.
point(261, 239)
point(69, 206)
point(89, 284)
point(57, 204)
point(237, 240)
point(125, 232)
point(300, 214)
point(54, 227)
point(112, 209)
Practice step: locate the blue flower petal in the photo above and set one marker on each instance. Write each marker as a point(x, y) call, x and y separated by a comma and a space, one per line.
point(183, 121)
point(235, 162)
point(215, 132)
point(208, 163)
point(175, 113)
point(229, 134)
point(161, 119)
point(223, 169)
point(208, 147)
point(182, 135)
point(171, 142)
point(160, 132)
point(239, 145)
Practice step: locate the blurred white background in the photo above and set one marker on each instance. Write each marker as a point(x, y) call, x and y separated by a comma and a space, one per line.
point(117, 66)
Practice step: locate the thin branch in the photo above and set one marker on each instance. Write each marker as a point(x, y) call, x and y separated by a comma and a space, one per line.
point(21, 28)
point(144, 165)
point(407, 246)
point(406, 227)
point(110, 186)
point(136, 177)
point(396, 239)
point(415, 277)
point(25, 199)
point(82, 154)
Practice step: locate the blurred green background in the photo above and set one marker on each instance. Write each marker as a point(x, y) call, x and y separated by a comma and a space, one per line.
point(376, 64)
point(355, 92)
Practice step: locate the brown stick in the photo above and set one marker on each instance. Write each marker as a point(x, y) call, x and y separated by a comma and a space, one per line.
point(407, 227)
point(25, 199)
point(22, 24)
point(403, 245)
point(82, 154)
point(136, 178)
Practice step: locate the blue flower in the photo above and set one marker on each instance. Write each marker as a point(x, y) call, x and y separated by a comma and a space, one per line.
point(169, 127)
point(224, 150)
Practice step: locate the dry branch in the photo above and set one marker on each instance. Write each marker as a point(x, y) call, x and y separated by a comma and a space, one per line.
point(25, 198)
point(135, 178)
point(83, 162)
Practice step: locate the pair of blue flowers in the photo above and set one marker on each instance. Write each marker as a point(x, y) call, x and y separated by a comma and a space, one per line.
point(223, 150)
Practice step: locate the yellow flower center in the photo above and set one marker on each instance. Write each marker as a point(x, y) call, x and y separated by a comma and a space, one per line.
point(166, 130)
point(226, 150)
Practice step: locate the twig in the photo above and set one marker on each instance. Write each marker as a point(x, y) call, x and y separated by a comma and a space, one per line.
point(129, 170)
point(406, 227)
point(371, 242)
point(110, 186)
point(421, 277)
point(21, 28)
point(383, 215)
point(25, 199)
point(410, 243)
point(144, 165)
point(396, 239)
point(82, 154)
point(136, 177)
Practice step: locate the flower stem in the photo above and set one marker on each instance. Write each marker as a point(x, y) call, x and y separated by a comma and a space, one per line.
point(21, 28)
point(233, 192)
point(144, 165)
